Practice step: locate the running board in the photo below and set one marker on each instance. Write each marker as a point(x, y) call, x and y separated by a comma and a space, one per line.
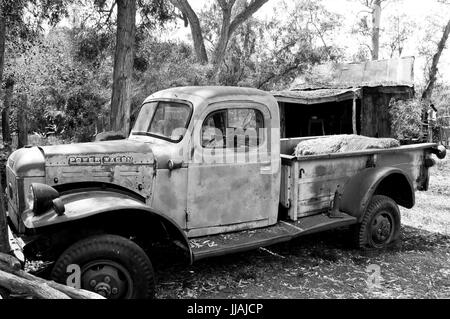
point(216, 245)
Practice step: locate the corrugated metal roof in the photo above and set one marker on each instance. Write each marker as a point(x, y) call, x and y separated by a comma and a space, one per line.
point(392, 72)
point(316, 96)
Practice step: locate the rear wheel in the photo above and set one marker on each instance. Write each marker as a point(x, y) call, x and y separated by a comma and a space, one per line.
point(110, 265)
point(380, 226)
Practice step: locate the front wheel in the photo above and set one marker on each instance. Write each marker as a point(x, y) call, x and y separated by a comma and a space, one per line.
point(110, 265)
point(380, 226)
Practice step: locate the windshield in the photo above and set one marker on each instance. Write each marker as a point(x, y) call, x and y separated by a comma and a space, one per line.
point(167, 120)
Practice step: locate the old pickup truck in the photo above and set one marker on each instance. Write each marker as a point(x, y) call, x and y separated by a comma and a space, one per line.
point(204, 172)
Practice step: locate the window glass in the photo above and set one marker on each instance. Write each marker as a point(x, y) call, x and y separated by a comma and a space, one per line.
point(233, 128)
point(169, 120)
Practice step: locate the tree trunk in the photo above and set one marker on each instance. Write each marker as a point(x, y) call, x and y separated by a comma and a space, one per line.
point(426, 95)
point(376, 18)
point(228, 28)
point(4, 238)
point(123, 66)
point(67, 290)
point(2, 42)
point(196, 30)
point(221, 46)
point(9, 89)
point(22, 128)
point(24, 286)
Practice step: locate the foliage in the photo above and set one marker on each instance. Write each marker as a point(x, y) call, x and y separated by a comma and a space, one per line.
point(91, 45)
point(163, 64)
point(441, 100)
point(67, 71)
point(406, 118)
point(270, 54)
point(66, 95)
point(430, 34)
point(399, 30)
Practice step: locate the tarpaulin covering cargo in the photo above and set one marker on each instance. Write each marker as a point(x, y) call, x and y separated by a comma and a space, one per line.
point(342, 144)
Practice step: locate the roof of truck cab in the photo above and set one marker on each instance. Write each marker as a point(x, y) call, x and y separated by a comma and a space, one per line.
point(203, 93)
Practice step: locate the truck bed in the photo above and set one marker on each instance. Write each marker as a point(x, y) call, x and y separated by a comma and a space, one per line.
point(308, 183)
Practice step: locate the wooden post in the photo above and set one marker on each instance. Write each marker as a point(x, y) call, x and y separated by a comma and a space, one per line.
point(354, 114)
point(22, 129)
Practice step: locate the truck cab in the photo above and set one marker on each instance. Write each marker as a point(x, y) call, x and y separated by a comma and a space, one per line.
point(201, 165)
point(218, 141)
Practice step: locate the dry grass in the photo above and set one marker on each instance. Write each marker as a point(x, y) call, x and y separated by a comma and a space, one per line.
point(432, 209)
point(325, 266)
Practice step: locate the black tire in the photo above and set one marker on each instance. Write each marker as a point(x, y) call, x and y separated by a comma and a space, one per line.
point(380, 226)
point(110, 265)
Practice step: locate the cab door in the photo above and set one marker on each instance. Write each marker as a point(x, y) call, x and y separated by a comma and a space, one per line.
point(231, 185)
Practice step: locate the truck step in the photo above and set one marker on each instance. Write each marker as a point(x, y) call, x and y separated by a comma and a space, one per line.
point(216, 245)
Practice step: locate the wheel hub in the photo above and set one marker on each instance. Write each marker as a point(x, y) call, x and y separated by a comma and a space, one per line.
point(382, 228)
point(107, 278)
point(103, 289)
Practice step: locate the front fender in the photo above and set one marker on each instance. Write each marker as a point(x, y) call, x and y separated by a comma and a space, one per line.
point(389, 181)
point(81, 205)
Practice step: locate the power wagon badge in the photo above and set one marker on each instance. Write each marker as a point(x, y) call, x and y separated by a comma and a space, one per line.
point(100, 160)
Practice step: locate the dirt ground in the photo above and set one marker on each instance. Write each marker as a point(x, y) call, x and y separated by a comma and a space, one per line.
point(326, 266)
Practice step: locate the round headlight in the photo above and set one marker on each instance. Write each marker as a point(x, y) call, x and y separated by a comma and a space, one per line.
point(42, 197)
point(30, 198)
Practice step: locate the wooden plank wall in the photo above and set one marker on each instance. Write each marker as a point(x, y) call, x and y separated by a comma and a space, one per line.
point(375, 118)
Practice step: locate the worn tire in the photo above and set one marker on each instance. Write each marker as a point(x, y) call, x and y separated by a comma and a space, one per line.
point(380, 226)
point(128, 268)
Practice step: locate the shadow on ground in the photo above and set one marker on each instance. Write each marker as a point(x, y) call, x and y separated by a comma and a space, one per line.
point(323, 265)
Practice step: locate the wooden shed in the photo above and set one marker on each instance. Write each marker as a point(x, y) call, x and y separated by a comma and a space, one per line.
point(346, 98)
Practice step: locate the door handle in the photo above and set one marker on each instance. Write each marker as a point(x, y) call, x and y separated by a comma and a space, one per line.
point(171, 164)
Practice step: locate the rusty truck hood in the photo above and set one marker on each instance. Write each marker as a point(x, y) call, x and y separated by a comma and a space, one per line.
point(82, 161)
point(123, 163)
point(97, 154)
point(95, 148)
point(33, 161)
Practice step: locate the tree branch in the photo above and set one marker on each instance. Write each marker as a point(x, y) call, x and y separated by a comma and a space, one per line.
point(426, 95)
point(196, 31)
point(319, 33)
point(110, 12)
point(246, 13)
point(273, 75)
